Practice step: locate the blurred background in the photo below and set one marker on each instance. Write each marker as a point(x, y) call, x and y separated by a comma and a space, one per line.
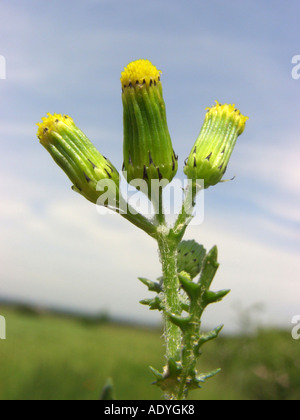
point(59, 257)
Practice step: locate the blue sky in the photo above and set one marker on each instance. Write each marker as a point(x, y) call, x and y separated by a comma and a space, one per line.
point(66, 57)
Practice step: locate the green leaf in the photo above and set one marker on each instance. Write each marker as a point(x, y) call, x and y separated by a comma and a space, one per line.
point(159, 376)
point(192, 289)
point(168, 380)
point(211, 335)
point(210, 267)
point(154, 303)
point(203, 376)
point(152, 286)
point(190, 257)
point(182, 322)
point(212, 297)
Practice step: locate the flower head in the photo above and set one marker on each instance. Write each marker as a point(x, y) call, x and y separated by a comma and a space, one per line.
point(140, 72)
point(210, 154)
point(76, 155)
point(148, 151)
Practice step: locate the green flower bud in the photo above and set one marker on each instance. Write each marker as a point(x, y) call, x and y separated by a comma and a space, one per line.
point(76, 155)
point(148, 151)
point(210, 155)
point(190, 257)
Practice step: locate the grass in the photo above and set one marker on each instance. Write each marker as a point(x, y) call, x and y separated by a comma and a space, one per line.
point(51, 357)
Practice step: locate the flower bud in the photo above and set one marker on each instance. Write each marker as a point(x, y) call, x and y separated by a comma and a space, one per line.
point(210, 155)
point(76, 155)
point(148, 151)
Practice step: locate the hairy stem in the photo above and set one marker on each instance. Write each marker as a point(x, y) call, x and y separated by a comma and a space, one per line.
point(189, 358)
point(171, 298)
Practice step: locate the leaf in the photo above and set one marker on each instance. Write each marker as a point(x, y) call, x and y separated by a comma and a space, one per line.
point(212, 297)
point(192, 289)
point(190, 257)
point(210, 267)
point(154, 303)
point(152, 285)
point(211, 335)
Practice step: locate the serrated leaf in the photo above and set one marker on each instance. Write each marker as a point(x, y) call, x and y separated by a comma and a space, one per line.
point(190, 257)
point(154, 303)
point(152, 285)
point(192, 289)
point(159, 376)
point(211, 335)
point(209, 269)
point(181, 322)
point(168, 380)
point(212, 297)
point(203, 376)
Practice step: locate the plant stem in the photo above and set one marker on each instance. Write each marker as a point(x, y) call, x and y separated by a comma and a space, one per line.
point(189, 357)
point(186, 214)
point(171, 298)
point(137, 219)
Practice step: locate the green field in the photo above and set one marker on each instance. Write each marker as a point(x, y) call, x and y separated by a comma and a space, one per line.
point(51, 357)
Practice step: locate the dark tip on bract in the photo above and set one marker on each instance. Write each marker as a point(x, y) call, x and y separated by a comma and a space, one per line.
point(74, 188)
point(93, 165)
point(145, 175)
point(160, 177)
point(150, 159)
point(86, 177)
point(109, 175)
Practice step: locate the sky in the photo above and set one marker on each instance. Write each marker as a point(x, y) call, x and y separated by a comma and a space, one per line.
point(67, 57)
